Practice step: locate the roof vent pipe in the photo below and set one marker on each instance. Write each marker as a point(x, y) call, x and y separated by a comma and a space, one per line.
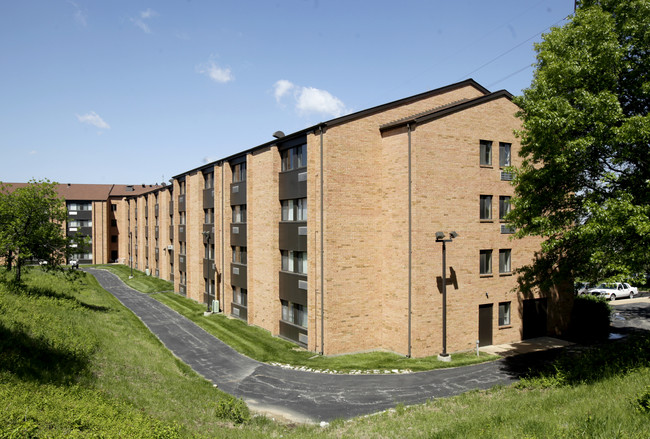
point(278, 134)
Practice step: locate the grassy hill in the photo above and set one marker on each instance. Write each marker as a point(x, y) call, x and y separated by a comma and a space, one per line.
point(75, 363)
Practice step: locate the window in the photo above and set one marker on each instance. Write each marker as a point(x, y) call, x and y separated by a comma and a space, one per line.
point(485, 262)
point(113, 223)
point(504, 261)
point(239, 214)
point(294, 210)
point(504, 314)
point(504, 154)
point(182, 218)
point(181, 187)
point(113, 238)
point(80, 223)
point(486, 207)
point(239, 255)
point(486, 152)
point(294, 262)
point(208, 180)
point(73, 207)
point(294, 158)
point(208, 251)
point(294, 313)
point(209, 216)
point(239, 172)
point(114, 207)
point(240, 296)
point(504, 206)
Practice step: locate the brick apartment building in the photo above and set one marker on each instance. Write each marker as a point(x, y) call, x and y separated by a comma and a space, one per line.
point(327, 236)
point(92, 213)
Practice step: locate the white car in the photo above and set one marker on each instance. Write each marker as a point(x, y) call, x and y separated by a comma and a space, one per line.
point(614, 290)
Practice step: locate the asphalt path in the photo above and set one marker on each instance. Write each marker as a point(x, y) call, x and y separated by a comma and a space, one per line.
point(296, 395)
point(631, 314)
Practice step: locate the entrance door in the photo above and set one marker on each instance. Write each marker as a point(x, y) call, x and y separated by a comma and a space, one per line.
point(485, 325)
point(534, 318)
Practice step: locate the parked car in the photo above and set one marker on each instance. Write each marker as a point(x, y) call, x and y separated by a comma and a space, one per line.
point(614, 290)
point(581, 288)
point(634, 291)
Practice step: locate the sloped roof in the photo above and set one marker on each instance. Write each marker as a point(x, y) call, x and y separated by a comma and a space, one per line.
point(94, 192)
point(444, 110)
point(349, 117)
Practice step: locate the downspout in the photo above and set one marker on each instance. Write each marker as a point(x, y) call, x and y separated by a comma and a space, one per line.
point(322, 264)
point(221, 304)
point(408, 127)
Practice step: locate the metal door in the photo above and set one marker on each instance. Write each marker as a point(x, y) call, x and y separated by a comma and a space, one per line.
point(485, 325)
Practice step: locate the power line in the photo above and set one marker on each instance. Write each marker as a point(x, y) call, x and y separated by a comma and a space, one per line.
point(511, 49)
point(509, 76)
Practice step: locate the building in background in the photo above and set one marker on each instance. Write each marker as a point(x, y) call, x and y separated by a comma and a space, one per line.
point(93, 213)
point(327, 236)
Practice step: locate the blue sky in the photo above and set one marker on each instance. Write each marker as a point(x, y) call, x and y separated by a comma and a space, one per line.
point(130, 92)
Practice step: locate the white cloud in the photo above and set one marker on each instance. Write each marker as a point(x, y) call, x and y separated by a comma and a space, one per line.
point(79, 15)
point(313, 100)
point(216, 73)
point(148, 13)
point(281, 88)
point(310, 99)
point(142, 25)
point(93, 118)
point(144, 15)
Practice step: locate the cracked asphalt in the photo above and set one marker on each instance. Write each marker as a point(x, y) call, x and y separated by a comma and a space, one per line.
point(296, 395)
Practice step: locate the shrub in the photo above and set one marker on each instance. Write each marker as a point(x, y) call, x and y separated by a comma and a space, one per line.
point(589, 319)
point(233, 409)
point(642, 403)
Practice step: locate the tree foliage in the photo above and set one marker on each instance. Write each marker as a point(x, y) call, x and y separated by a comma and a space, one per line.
point(31, 225)
point(584, 184)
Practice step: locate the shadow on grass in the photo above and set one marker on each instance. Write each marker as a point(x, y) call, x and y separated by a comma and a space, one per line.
point(37, 291)
point(31, 358)
point(583, 364)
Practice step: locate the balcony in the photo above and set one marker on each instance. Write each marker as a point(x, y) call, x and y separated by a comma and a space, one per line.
point(293, 184)
point(293, 235)
point(238, 275)
point(238, 234)
point(238, 193)
point(208, 198)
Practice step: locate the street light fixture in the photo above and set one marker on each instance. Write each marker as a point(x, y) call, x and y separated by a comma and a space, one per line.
point(440, 237)
point(131, 253)
point(207, 236)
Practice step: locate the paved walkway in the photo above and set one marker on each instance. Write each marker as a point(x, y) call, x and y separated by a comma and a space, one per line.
point(294, 395)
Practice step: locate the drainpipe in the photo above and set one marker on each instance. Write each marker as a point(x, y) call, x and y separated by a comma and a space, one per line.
point(221, 293)
point(322, 265)
point(408, 127)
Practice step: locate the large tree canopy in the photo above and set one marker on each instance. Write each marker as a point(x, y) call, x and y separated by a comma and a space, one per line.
point(31, 225)
point(584, 184)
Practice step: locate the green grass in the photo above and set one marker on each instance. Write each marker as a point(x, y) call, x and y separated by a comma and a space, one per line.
point(260, 345)
point(75, 363)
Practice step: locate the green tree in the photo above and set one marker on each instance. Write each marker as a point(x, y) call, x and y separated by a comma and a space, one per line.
point(31, 225)
point(584, 185)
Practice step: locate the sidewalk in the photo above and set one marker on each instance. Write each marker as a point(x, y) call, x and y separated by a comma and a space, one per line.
point(524, 347)
point(295, 395)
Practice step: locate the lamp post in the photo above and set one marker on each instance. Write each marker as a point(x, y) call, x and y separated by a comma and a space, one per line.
point(440, 237)
point(131, 252)
point(206, 235)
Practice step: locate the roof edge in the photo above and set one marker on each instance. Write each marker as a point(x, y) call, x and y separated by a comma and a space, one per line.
point(446, 110)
